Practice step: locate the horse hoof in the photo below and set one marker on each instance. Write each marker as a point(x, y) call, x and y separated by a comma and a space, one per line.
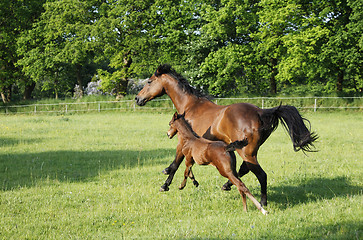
point(263, 203)
point(164, 188)
point(226, 187)
point(166, 171)
point(264, 212)
point(196, 184)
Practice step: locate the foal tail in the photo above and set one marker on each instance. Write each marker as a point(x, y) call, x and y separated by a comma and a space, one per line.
point(236, 145)
point(301, 137)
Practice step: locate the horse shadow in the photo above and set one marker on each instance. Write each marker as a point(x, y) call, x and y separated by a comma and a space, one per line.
point(26, 169)
point(312, 190)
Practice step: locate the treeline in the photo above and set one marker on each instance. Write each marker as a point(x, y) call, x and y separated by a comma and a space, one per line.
point(221, 46)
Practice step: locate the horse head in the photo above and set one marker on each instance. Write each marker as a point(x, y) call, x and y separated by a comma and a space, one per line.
point(173, 127)
point(154, 87)
point(173, 130)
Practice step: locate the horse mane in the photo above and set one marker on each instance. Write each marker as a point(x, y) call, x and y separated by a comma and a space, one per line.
point(182, 81)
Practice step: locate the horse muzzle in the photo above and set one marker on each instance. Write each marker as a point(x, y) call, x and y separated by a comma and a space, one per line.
point(140, 101)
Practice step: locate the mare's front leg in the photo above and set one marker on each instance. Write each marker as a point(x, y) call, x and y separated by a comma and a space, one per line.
point(172, 169)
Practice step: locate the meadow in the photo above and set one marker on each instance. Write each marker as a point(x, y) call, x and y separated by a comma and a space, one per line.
point(97, 176)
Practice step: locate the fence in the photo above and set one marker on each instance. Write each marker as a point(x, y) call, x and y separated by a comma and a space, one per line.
point(307, 103)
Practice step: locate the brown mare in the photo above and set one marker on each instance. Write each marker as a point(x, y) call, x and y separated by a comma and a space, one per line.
point(206, 152)
point(226, 123)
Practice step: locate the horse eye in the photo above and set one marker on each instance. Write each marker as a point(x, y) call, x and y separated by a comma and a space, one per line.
point(149, 81)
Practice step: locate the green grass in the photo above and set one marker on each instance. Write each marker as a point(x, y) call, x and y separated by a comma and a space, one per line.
point(97, 176)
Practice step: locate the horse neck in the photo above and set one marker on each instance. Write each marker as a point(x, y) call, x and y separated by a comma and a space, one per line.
point(184, 130)
point(181, 100)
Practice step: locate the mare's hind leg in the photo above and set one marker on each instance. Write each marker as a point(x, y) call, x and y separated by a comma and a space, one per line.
point(172, 170)
point(262, 178)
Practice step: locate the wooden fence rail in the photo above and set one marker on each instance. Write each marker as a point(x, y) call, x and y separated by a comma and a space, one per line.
point(306, 103)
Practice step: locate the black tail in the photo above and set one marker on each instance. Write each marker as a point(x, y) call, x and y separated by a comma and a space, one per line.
point(236, 145)
point(301, 137)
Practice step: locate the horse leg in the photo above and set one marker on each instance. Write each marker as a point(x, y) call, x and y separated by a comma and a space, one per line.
point(244, 191)
point(262, 178)
point(191, 176)
point(250, 164)
point(173, 168)
point(243, 170)
point(187, 171)
point(227, 169)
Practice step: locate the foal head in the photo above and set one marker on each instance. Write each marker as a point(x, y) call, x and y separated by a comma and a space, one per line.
point(179, 124)
point(173, 129)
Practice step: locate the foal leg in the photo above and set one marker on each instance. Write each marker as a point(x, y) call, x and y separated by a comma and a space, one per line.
point(187, 172)
point(191, 176)
point(243, 170)
point(259, 173)
point(172, 170)
point(244, 191)
point(227, 169)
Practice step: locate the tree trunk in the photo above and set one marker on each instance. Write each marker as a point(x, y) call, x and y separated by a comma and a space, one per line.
point(273, 87)
point(6, 94)
point(29, 88)
point(340, 81)
point(79, 78)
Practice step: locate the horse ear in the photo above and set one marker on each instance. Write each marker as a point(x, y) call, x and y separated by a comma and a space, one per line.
point(165, 68)
point(175, 116)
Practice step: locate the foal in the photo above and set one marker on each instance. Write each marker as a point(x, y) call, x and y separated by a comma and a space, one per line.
point(206, 152)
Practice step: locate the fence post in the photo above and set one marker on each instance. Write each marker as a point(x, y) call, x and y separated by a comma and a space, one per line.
point(99, 107)
point(315, 105)
point(66, 108)
point(35, 109)
point(134, 106)
point(262, 103)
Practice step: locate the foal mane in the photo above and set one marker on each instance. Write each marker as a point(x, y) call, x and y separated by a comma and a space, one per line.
point(182, 81)
point(187, 124)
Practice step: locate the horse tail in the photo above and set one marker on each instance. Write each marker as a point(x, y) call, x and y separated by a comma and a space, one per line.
point(236, 145)
point(301, 136)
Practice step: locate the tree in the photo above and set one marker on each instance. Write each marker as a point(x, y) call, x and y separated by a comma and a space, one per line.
point(15, 18)
point(123, 31)
point(324, 47)
point(225, 39)
point(60, 43)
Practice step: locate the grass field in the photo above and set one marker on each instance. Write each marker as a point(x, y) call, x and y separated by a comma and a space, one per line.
point(97, 176)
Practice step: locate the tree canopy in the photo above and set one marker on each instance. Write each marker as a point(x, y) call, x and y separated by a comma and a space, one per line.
point(222, 46)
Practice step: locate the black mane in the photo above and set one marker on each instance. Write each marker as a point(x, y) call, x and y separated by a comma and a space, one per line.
point(182, 82)
point(181, 116)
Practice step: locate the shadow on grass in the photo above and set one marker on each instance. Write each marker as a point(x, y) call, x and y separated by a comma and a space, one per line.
point(15, 141)
point(312, 190)
point(24, 170)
